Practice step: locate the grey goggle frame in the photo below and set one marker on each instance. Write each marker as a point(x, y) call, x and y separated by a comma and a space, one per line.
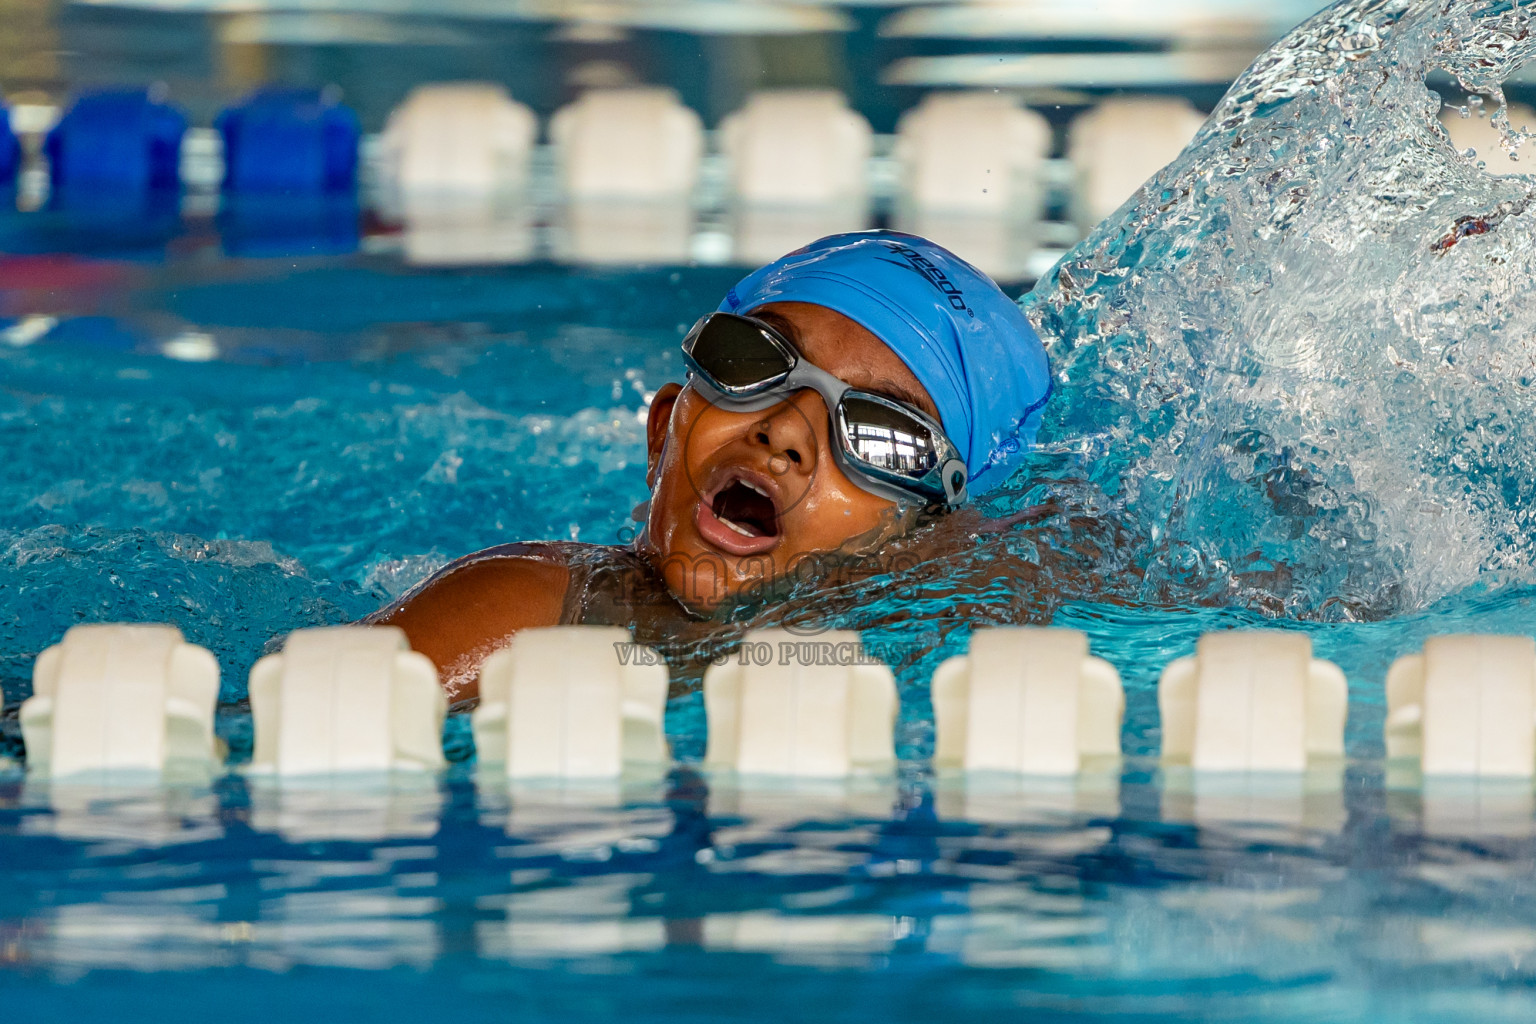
point(943, 481)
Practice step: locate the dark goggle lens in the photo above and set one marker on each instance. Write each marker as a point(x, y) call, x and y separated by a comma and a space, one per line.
point(887, 438)
point(737, 354)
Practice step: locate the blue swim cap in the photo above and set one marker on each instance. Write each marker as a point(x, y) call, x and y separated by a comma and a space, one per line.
point(966, 341)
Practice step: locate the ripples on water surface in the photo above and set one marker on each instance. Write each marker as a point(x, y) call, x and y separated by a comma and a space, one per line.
point(1295, 381)
point(873, 905)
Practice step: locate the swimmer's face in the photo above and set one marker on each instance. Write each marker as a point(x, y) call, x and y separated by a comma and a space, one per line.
point(739, 498)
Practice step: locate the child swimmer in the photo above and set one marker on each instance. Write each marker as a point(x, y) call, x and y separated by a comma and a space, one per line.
point(837, 397)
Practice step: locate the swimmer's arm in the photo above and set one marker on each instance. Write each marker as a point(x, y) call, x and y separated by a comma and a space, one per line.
point(472, 607)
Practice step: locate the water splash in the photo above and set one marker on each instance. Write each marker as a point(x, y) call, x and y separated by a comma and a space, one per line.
point(1300, 361)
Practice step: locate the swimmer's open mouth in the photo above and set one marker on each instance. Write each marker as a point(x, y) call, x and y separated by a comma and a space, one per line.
point(747, 509)
point(740, 517)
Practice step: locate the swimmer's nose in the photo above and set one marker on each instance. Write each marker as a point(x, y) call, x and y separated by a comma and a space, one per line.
point(785, 430)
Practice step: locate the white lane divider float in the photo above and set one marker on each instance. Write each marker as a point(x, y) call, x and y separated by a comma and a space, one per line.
point(458, 138)
point(1253, 733)
point(817, 717)
point(1252, 701)
point(115, 698)
point(572, 702)
point(583, 702)
point(1028, 701)
point(346, 699)
point(1465, 706)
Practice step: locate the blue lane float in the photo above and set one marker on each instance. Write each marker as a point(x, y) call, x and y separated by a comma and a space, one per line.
point(290, 175)
point(10, 150)
point(114, 170)
point(289, 141)
point(118, 140)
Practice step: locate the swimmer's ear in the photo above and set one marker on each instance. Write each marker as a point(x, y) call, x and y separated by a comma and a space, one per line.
point(656, 426)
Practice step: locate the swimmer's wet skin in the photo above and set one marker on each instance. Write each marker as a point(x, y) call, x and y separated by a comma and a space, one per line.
point(835, 395)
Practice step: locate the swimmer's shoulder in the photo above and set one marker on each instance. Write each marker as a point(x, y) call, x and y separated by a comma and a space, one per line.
point(474, 605)
point(530, 577)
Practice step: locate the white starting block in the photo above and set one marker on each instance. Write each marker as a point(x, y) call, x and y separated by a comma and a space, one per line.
point(1252, 700)
point(1026, 700)
point(346, 699)
point(460, 138)
point(1465, 706)
point(121, 697)
point(572, 702)
point(798, 147)
point(636, 144)
point(817, 708)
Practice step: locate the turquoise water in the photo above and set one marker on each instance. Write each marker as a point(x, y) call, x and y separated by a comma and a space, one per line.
point(1279, 403)
point(332, 456)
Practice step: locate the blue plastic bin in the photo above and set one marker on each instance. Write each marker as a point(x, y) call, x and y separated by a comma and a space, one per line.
point(283, 140)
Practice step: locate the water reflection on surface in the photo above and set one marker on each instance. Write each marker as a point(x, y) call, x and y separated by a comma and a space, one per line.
point(446, 231)
point(1102, 906)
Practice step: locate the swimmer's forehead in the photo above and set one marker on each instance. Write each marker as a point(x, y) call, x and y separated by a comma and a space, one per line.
point(847, 350)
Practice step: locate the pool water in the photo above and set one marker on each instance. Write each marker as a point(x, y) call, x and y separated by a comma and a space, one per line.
point(1282, 400)
point(338, 449)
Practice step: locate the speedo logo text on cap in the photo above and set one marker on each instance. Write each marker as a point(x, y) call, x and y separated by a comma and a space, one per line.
point(918, 263)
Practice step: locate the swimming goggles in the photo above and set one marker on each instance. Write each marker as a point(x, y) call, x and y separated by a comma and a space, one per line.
point(886, 447)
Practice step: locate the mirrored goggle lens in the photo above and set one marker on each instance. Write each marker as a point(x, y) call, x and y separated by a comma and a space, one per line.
point(737, 354)
point(886, 438)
